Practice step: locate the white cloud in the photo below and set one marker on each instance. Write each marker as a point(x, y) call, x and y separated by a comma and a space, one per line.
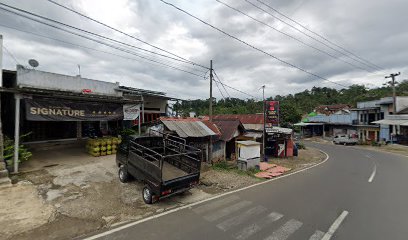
point(364, 27)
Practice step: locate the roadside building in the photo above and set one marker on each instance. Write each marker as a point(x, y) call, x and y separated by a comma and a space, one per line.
point(376, 121)
point(63, 110)
point(329, 125)
point(231, 129)
point(279, 142)
point(199, 133)
point(253, 125)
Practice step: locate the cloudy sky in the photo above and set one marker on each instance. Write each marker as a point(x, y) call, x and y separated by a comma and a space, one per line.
point(374, 30)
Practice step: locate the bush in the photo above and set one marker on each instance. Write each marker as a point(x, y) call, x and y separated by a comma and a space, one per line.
point(127, 132)
point(300, 145)
point(23, 153)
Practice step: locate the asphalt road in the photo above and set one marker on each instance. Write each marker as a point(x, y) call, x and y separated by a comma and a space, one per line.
point(356, 194)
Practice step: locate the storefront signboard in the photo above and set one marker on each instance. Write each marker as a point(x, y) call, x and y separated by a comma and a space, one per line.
point(47, 109)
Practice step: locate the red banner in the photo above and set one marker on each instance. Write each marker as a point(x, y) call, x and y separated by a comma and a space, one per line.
point(272, 112)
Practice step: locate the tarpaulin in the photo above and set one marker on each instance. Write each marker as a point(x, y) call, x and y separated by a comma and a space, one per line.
point(47, 109)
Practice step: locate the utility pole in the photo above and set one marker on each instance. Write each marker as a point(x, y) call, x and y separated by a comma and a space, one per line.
point(394, 97)
point(1, 85)
point(264, 120)
point(210, 147)
point(211, 98)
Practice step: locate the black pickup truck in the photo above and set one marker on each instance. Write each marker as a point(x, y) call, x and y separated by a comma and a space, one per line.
point(165, 164)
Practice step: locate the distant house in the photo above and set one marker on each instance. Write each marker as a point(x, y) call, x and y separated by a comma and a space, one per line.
point(333, 109)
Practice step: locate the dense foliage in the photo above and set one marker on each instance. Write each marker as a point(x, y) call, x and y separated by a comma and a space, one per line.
point(293, 106)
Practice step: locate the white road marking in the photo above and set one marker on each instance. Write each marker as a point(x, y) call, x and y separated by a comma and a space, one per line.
point(368, 156)
point(373, 174)
point(189, 206)
point(335, 225)
point(237, 220)
point(216, 204)
point(286, 230)
point(317, 235)
point(256, 227)
point(226, 211)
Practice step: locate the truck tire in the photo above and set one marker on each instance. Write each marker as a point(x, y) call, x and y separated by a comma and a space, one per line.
point(123, 174)
point(147, 195)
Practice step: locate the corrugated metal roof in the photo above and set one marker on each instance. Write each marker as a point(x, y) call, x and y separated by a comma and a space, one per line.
point(244, 118)
point(188, 128)
point(228, 127)
point(250, 126)
point(253, 135)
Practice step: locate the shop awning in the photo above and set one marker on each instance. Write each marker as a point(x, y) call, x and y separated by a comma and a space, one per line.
point(308, 124)
point(402, 122)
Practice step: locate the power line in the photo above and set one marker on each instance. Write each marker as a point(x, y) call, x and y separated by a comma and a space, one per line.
point(11, 55)
point(249, 45)
point(219, 89)
point(117, 30)
point(308, 35)
point(100, 42)
point(222, 84)
point(317, 34)
point(292, 37)
point(236, 89)
point(86, 31)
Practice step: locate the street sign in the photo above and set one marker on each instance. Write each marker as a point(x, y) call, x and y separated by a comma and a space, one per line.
point(272, 112)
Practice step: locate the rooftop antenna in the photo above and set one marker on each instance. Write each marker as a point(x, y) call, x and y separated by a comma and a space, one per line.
point(33, 63)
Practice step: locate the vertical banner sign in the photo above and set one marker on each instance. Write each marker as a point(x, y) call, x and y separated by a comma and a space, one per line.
point(272, 112)
point(131, 111)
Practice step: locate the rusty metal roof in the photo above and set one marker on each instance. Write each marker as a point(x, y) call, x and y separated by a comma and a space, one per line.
point(189, 128)
point(228, 127)
point(244, 118)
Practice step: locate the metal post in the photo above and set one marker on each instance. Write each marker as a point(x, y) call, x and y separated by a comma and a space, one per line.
point(139, 122)
point(211, 80)
point(17, 98)
point(1, 85)
point(264, 122)
point(210, 147)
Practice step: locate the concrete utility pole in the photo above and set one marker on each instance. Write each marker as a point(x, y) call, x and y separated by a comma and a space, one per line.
point(1, 85)
point(394, 97)
point(264, 120)
point(210, 113)
point(211, 98)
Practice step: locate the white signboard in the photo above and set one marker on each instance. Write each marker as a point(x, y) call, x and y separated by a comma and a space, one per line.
point(131, 111)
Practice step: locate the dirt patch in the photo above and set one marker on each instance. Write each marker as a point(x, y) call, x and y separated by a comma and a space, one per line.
point(217, 181)
point(22, 209)
point(306, 157)
point(63, 227)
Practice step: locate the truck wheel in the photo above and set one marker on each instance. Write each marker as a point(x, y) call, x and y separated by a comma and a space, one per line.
point(123, 174)
point(147, 195)
point(345, 144)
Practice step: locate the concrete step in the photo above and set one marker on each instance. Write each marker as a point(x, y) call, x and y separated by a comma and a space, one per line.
point(4, 173)
point(5, 182)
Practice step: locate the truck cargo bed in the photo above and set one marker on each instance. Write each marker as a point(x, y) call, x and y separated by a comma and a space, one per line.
point(171, 172)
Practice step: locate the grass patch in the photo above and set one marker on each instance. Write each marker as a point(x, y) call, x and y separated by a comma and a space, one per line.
point(231, 167)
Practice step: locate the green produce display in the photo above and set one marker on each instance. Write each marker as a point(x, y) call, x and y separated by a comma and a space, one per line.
point(102, 146)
